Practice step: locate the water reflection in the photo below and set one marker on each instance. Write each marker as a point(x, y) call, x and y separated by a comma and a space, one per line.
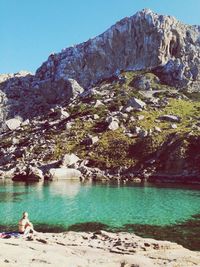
point(69, 189)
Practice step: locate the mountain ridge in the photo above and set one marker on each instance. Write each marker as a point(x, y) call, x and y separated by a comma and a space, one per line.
point(145, 40)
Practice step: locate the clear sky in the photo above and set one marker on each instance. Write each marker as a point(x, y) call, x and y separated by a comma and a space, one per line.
point(32, 29)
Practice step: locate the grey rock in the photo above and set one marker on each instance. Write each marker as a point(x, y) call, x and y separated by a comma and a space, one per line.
point(128, 109)
point(60, 113)
point(25, 123)
point(15, 141)
point(129, 135)
point(157, 129)
point(142, 83)
point(13, 124)
point(174, 126)
point(140, 117)
point(96, 117)
point(143, 133)
point(90, 140)
point(69, 160)
point(28, 97)
point(27, 173)
point(136, 104)
point(68, 125)
point(132, 119)
point(114, 125)
point(76, 89)
point(136, 130)
point(112, 118)
point(98, 103)
point(93, 173)
point(170, 118)
point(63, 173)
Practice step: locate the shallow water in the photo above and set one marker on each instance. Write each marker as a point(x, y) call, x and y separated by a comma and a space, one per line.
point(64, 205)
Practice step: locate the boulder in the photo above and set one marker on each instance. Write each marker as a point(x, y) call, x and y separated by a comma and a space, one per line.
point(90, 140)
point(96, 117)
point(170, 118)
point(114, 125)
point(98, 103)
point(157, 129)
point(174, 126)
point(13, 124)
point(136, 104)
point(69, 160)
point(63, 173)
point(142, 83)
point(136, 130)
point(93, 173)
point(143, 134)
point(145, 81)
point(89, 93)
point(68, 125)
point(112, 118)
point(27, 173)
point(60, 113)
point(25, 123)
point(64, 114)
point(76, 89)
point(141, 117)
point(128, 109)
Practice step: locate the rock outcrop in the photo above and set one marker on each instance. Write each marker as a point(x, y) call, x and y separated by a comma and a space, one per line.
point(25, 96)
point(144, 41)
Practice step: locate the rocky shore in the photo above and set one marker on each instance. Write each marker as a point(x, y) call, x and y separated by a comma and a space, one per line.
point(92, 250)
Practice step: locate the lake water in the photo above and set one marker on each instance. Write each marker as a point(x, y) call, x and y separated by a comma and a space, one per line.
point(65, 205)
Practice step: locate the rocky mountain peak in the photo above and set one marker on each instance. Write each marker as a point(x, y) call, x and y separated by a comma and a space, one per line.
point(143, 41)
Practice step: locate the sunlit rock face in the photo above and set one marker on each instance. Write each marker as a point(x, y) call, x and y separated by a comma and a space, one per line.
point(144, 41)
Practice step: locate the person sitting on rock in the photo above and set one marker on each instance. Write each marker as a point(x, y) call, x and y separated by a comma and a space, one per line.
point(25, 226)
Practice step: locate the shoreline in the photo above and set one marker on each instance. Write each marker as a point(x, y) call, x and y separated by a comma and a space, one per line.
point(92, 249)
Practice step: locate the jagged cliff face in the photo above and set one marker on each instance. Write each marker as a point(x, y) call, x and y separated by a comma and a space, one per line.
point(143, 41)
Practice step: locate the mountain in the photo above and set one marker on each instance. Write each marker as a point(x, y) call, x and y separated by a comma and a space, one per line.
point(124, 104)
point(145, 41)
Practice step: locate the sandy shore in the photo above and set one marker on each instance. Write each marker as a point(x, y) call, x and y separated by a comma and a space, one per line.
point(105, 249)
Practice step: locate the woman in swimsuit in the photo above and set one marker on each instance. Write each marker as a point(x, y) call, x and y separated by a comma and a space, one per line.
point(25, 226)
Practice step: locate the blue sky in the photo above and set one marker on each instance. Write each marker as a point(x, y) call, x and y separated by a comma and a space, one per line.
point(31, 29)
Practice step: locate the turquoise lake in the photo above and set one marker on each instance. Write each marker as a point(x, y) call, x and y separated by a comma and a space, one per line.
point(60, 205)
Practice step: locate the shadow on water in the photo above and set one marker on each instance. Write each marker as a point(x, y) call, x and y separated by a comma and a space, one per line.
point(88, 227)
point(185, 233)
